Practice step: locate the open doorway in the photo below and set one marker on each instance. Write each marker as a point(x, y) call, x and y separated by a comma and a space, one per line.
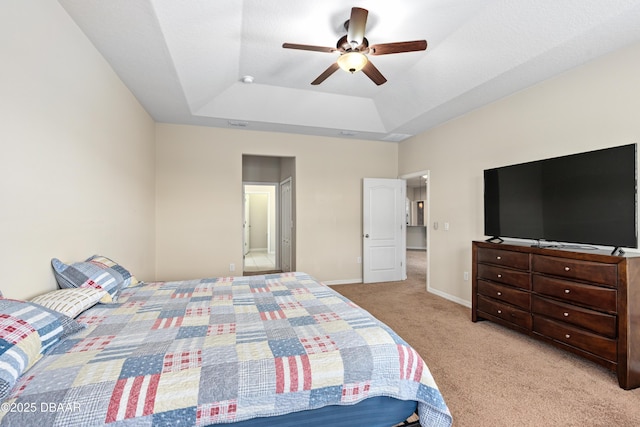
point(260, 228)
point(268, 191)
point(417, 218)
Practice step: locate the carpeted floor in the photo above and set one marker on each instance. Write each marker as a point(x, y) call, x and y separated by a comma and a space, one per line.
point(489, 375)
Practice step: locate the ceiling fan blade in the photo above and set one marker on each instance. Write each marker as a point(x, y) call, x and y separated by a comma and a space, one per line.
point(398, 47)
point(309, 47)
point(373, 73)
point(357, 25)
point(322, 77)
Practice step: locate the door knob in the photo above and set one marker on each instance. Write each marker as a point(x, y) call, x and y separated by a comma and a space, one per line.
point(366, 236)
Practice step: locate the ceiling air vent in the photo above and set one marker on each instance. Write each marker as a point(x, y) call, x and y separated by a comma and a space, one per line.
point(238, 123)
point(348, 133)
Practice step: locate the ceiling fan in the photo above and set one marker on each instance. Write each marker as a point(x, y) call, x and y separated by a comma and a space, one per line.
point(354, 48)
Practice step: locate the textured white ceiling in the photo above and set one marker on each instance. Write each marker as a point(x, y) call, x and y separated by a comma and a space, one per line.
point(184, 60)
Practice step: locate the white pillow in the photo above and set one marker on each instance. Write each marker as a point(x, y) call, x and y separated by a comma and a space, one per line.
point(71, 301)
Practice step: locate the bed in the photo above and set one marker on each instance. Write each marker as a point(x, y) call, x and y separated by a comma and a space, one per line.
point(270, 350)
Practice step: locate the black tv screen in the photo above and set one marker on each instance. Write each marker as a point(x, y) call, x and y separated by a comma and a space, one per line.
point(586, 198)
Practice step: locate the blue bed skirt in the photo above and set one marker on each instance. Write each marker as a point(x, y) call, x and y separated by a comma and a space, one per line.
point(373, 412)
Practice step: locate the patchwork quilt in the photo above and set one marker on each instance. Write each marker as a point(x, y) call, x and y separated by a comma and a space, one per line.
point(217, 351)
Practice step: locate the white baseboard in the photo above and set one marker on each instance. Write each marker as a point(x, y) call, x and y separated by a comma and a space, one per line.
point(449, 297)
point(342, 282)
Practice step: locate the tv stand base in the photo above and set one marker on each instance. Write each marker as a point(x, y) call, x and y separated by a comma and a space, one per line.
point(494, 239)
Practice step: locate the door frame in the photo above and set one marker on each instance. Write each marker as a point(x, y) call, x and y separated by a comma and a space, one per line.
point(427, 216)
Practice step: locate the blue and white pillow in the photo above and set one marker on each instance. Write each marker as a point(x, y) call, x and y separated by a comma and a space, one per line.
point(103, 260)
point(27, 331)
point(96, 272)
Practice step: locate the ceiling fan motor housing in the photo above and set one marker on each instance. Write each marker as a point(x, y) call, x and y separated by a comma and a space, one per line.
point(344, 45)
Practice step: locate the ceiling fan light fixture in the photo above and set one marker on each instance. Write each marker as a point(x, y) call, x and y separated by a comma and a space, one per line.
point(352, 62)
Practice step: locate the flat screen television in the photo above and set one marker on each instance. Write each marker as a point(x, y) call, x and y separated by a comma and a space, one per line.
point(586, 198)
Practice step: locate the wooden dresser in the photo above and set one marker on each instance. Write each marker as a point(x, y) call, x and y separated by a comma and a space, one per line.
point(585, 302)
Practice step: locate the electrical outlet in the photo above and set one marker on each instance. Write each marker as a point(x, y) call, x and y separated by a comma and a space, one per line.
point(446, 226)
point(232, 267)
point(465, 275)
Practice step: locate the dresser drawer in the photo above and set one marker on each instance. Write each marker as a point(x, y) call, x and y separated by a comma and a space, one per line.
point(505, 312)
point(512, 259)
point(595, 272)
point(517, 278)
point(575, 337)
point(507, 294)
point(600, 298)
point(595, 321)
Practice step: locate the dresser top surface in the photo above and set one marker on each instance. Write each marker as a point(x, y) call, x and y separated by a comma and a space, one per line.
point(584, 252)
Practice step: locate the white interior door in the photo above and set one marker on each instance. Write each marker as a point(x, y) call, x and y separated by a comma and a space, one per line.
point(247, 224)
point(383, 220)
point(286, 225)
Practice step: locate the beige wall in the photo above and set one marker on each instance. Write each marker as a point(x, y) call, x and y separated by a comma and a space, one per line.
point(591, 107)
point(77, 163)
point(199, 198)
point(79, 156)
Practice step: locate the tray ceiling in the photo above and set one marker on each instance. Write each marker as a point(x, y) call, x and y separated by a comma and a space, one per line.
point(185, 60)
